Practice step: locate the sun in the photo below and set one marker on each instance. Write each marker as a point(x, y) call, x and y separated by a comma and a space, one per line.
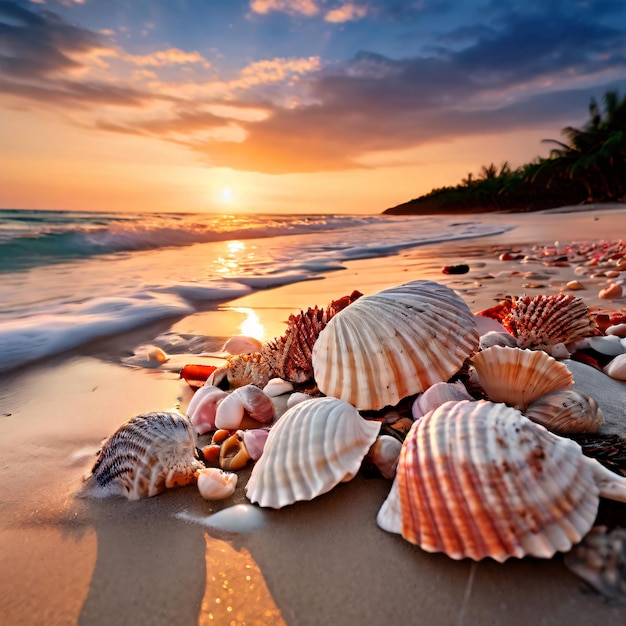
point(226, 196)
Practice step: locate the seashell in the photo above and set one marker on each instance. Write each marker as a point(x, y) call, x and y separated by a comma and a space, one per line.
point(242, 344)
point(543, 320)
point(393, 344)
point(609, 346)
point(240, 370)
point(145, 456)
point(289, 356)
point(384, 454)
point(312, 448)
point(255, 440)
point(517, 377)
point(203, 407)
point(566, 411)
point(494, 338)
point(478, 479)
point(613, 290)
point(277, 387)
point(233, 454)
point(297, 397)
point(211, 453)
point(246, 400)
point(436, 395)
point(600, 559)
point(215, 484)
point(616, 368)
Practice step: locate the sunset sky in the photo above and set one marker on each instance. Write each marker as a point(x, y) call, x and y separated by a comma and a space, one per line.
point(281, 106)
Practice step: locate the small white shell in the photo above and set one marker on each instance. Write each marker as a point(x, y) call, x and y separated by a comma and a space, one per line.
point(229, 412)
point(617, 368)
point(313, 447)
point(385, 453)
point(393, 344)
point(203, 407)
point(215, 484)
point(517, 376)
point(277, 387)
point(436, 395)
point(566, 411)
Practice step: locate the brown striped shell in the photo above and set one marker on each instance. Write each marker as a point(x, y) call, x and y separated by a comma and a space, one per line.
point(145, 456)
point(394, 344)
point(478, 479)
point(541, 321)
point(518, 377)
point(313, 447)
point(566, 411)
point(240, 370)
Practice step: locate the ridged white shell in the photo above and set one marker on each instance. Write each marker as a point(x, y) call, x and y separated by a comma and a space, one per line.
point(146, 455)
point(394, 344)
point(436, 395)
point(566, 411)
point(313, 447)
point(517, 377)
point(215, 484)
point(478, 479)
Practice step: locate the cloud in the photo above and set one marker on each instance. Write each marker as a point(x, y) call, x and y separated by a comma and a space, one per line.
point(162, 58)
point(346, 13)
point(291, 7)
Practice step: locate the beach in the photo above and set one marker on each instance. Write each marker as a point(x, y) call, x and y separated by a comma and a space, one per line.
point(70, 560)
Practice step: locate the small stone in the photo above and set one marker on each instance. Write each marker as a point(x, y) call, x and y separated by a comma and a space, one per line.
point(612, 291)
point(574, 285)
point(612, 274)
point(462, 268)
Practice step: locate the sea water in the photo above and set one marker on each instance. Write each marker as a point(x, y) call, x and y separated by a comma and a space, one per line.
point(69, 277)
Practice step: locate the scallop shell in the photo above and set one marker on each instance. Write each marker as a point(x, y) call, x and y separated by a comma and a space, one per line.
point(394, 344)
point(540, 321)
point(566, 411)
point(518, 377)
point(145, 456)
point(436, 395)
point(600, 559)
point(478, 479)
point(314, 446)
point(289, 356)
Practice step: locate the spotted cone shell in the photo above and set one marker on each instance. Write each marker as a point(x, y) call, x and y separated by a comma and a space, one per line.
point(314, 446)
point(518, 377)
point(394, 344)
point(145, 456)
point(478, 479)
point(541, 321)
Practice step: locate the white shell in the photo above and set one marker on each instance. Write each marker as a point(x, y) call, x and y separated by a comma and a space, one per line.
point(616, 368)
point(215, 484)
point(277, 387)
point(517, 376)
point(566, 411)
point(436, 395)
point(314, 446)
point(145, 456)
point(384, 454)
point(393, 344)
point(296, 398)
point(478, 479)
point(203, 407)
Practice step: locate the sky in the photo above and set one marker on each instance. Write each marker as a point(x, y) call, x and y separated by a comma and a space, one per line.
point(287, 106)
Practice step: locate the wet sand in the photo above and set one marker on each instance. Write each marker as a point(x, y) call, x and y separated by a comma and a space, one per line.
point(68, 560)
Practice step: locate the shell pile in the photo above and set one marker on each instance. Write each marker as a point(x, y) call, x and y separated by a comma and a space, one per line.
point(145, 456)
point(394, 344)
point(478, 479)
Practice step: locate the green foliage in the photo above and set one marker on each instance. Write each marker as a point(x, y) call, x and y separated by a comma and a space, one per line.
point(589, 166)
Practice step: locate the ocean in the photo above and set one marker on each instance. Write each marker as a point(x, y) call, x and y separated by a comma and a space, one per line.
point(70, 277)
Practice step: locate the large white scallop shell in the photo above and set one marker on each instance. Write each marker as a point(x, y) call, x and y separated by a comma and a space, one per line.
point(313, 447)
point(517, 377)
point(146, 455)
point(478, 479)
point(566, 411)
point(393, 344)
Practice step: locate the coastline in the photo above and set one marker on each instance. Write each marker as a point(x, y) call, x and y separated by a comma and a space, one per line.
point(78, 561)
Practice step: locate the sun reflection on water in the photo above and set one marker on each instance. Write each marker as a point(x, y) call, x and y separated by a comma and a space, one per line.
point(251, 325)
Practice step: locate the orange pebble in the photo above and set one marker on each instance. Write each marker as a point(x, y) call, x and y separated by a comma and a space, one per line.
point(612, 291)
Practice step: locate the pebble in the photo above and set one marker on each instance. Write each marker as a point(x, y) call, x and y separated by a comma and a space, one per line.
point(609, 346)
point(617, 329)
point(617, 368)
point(575, 285)
point(612, 291)
point(462, 268)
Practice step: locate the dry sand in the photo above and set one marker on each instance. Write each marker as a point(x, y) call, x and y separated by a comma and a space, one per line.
point(65, 560)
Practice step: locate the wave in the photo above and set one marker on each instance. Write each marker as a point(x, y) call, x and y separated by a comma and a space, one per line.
point(32, 238)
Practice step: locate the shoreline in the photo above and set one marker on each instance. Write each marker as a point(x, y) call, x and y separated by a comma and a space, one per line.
point(97, 562)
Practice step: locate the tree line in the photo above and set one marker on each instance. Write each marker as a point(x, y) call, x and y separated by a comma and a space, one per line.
point(589, 165)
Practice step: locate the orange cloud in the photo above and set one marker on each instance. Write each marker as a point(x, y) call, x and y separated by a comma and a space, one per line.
point(292, 7)
point(162, 58)
point(347, 13)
